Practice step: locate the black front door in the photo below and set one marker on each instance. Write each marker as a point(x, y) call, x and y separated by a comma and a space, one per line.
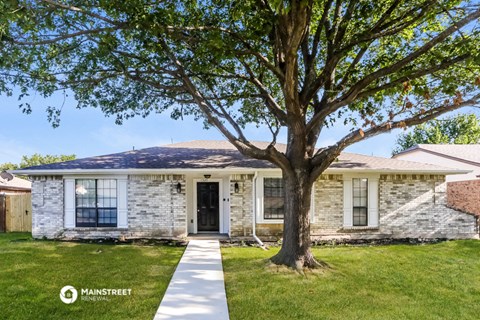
point(207, 206)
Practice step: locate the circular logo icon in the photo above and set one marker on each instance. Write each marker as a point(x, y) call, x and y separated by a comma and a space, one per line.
point(68, 294)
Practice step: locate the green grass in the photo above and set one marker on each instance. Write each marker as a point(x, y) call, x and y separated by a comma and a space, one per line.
point(33, 272)
point(437, 281)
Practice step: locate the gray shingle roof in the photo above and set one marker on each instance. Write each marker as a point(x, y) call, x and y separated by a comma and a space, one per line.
point(204, 154)
point(468, 152)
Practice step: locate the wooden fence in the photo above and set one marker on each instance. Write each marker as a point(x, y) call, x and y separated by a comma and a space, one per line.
point(16, 212)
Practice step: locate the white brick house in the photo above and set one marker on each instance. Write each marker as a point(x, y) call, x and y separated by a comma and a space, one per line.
point(207, 186)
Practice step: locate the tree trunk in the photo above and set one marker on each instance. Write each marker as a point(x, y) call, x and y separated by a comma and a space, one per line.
point(295, 251)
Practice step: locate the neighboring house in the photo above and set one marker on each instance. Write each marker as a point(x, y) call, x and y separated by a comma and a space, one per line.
point(464, 196)
point(15, 215)
point(208, 186)
point(15, 185)
point(458, 156)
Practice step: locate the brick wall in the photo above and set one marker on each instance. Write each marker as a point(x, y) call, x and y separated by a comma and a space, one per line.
point(155, 209)
point(415, 206)
point(328, 206)
point(241, 205)
point(464, 196)
point(409, 206)
point(47, 206)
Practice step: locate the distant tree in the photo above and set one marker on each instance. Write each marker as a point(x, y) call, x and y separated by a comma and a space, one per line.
point(8, 166)
point(36, 159)
point(461, 129)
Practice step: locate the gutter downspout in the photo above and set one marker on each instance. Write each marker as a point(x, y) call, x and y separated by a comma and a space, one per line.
point(254, 220)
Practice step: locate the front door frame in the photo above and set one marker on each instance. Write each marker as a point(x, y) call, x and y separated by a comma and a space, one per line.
point(220, 203)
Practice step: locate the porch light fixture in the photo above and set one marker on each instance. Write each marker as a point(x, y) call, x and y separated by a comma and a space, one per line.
point(179, 187)
point(236, 187)
point(207, 176)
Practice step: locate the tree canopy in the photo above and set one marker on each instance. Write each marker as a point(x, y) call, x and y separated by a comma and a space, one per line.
point(460, 129)
point(300, 66)
point(36, 159)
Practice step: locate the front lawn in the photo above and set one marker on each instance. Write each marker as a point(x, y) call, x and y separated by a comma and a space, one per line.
point(436, 281)
point(33, 272)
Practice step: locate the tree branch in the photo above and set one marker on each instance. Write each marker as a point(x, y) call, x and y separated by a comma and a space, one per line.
point(80, 10)
point(355, 89)
point(359, 134)
point(244, 146)
point(414, 75)
point(63, 37)
point(381, 30)
point(272, 105)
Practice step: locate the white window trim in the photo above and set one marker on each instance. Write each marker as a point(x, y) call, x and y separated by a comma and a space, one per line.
point(373, 191)
point(69, 199)
point(260, 197)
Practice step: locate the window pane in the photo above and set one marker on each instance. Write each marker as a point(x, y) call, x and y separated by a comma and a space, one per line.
point(86, 217)
point(107, 217)
point(359, 216)
point(96, 202)
point(273, 203)
point(360, 202)
point(85, 193)
point(107, 194)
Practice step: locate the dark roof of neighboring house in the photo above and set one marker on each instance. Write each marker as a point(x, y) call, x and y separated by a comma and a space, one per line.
point(462, 152)
point(204, 154)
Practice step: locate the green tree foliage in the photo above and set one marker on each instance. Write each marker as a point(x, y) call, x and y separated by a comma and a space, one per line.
point(461, 129)
point(36, 160)
point(8, 166)
point(299, 66)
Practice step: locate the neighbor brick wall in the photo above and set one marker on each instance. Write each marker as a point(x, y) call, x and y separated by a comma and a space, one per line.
point(464, 196)
point(47, 206)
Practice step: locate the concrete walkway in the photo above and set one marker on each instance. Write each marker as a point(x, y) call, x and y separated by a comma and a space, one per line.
point(197, 289)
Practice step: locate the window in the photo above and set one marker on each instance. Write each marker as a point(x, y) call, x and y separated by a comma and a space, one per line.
point(273, 205)
point(360, 196)
point(96, 202)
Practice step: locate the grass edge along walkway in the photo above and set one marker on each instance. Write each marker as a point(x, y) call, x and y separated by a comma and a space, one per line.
point(32, 272)
point(434, 281)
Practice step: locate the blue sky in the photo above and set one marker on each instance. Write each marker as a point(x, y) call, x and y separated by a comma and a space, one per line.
point(87, 132)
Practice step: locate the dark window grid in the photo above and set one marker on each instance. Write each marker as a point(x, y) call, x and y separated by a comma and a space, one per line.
point(96, 217)
point(360, 196)
point(273, 199)
point(90, 216)
point(107, 217)
point(360, 216)
point(274, 213)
